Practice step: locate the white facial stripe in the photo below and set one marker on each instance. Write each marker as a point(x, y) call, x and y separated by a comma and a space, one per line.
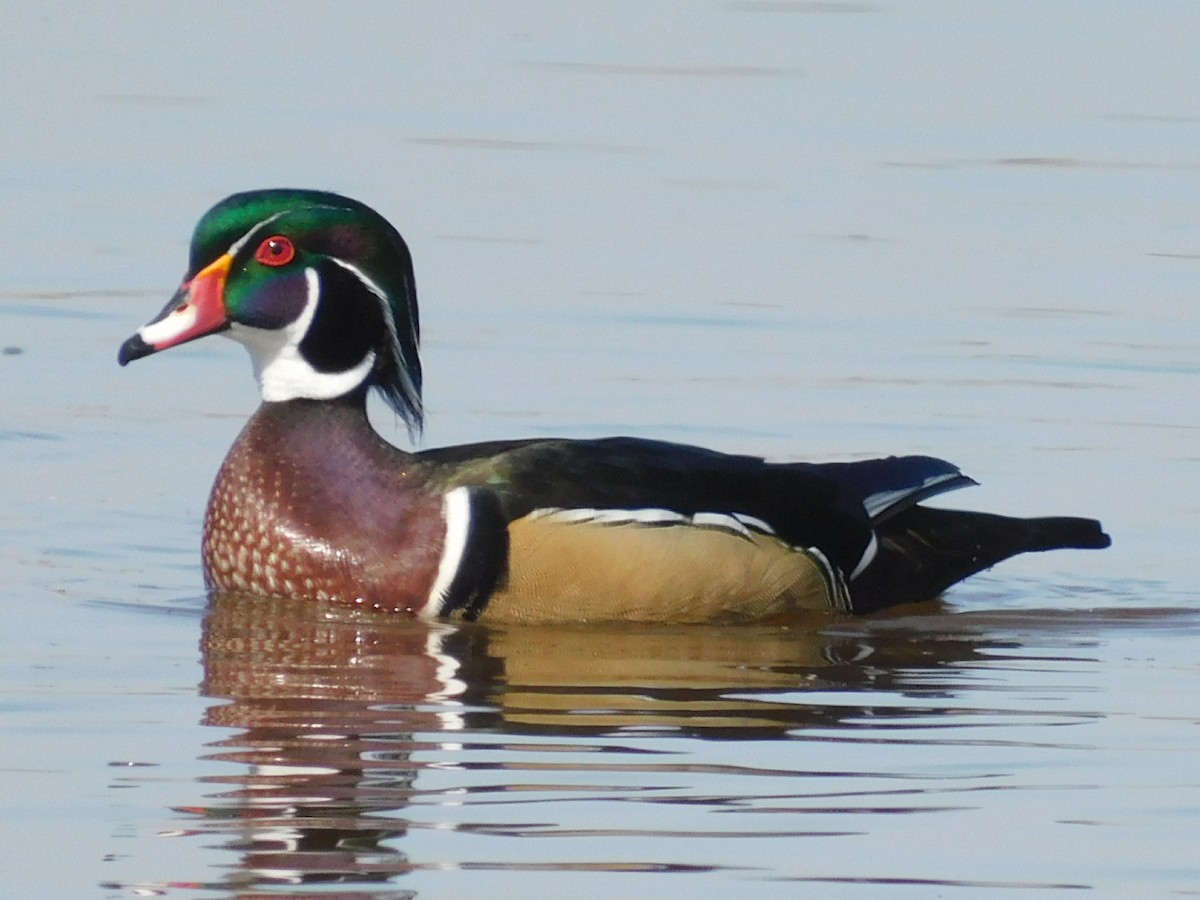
point(299, 327)
point(183, 318)
point(382, 295)
point(361, 276)
point(456, 507)
point(241, 242)
point(370, 285)
point(282, 371)
point(177, 322)
point(389, 319)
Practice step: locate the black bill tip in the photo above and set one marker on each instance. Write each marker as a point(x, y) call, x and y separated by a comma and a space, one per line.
point(134, 348)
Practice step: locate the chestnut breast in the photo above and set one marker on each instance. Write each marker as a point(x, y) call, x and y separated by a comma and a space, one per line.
point(311, 503)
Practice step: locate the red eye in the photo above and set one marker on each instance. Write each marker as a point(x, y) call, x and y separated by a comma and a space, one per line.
point(276, 251)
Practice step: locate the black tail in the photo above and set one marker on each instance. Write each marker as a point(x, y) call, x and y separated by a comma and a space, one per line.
point(923, 551)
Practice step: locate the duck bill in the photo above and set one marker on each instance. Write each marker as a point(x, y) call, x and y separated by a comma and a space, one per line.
point(197, 309)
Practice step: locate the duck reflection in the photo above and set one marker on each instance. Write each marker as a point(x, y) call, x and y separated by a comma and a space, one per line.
point(343, 720)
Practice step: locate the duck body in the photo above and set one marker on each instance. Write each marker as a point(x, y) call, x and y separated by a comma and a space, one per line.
point(312, 502)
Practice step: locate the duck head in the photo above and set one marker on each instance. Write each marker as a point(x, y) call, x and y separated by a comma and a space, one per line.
point(318, 287)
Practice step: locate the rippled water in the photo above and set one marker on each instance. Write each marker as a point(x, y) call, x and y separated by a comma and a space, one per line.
point(977, 750)
point(810, 230)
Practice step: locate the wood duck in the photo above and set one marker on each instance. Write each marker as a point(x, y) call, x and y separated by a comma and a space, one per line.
point(311, 502)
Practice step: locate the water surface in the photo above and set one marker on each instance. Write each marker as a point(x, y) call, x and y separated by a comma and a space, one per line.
point(807, 230)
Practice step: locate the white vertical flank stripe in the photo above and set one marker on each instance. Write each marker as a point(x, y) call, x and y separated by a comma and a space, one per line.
point(456, 507)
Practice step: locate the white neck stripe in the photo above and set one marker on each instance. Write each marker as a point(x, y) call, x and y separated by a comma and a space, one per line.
point(379, 292)
point(281, 369)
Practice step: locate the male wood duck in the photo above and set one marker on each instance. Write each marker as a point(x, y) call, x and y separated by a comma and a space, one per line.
point(311, 502)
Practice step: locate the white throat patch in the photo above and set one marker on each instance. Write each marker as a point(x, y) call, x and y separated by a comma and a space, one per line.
point(282, 371)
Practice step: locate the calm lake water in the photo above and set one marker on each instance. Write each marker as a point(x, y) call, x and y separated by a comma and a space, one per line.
point(806, 230)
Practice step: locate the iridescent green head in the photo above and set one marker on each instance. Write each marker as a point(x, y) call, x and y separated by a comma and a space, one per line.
point(318, 287)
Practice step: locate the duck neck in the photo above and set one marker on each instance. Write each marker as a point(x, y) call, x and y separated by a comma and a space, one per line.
point(339, 422)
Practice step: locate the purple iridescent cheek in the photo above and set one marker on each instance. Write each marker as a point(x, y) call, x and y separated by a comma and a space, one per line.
point(272, 303)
